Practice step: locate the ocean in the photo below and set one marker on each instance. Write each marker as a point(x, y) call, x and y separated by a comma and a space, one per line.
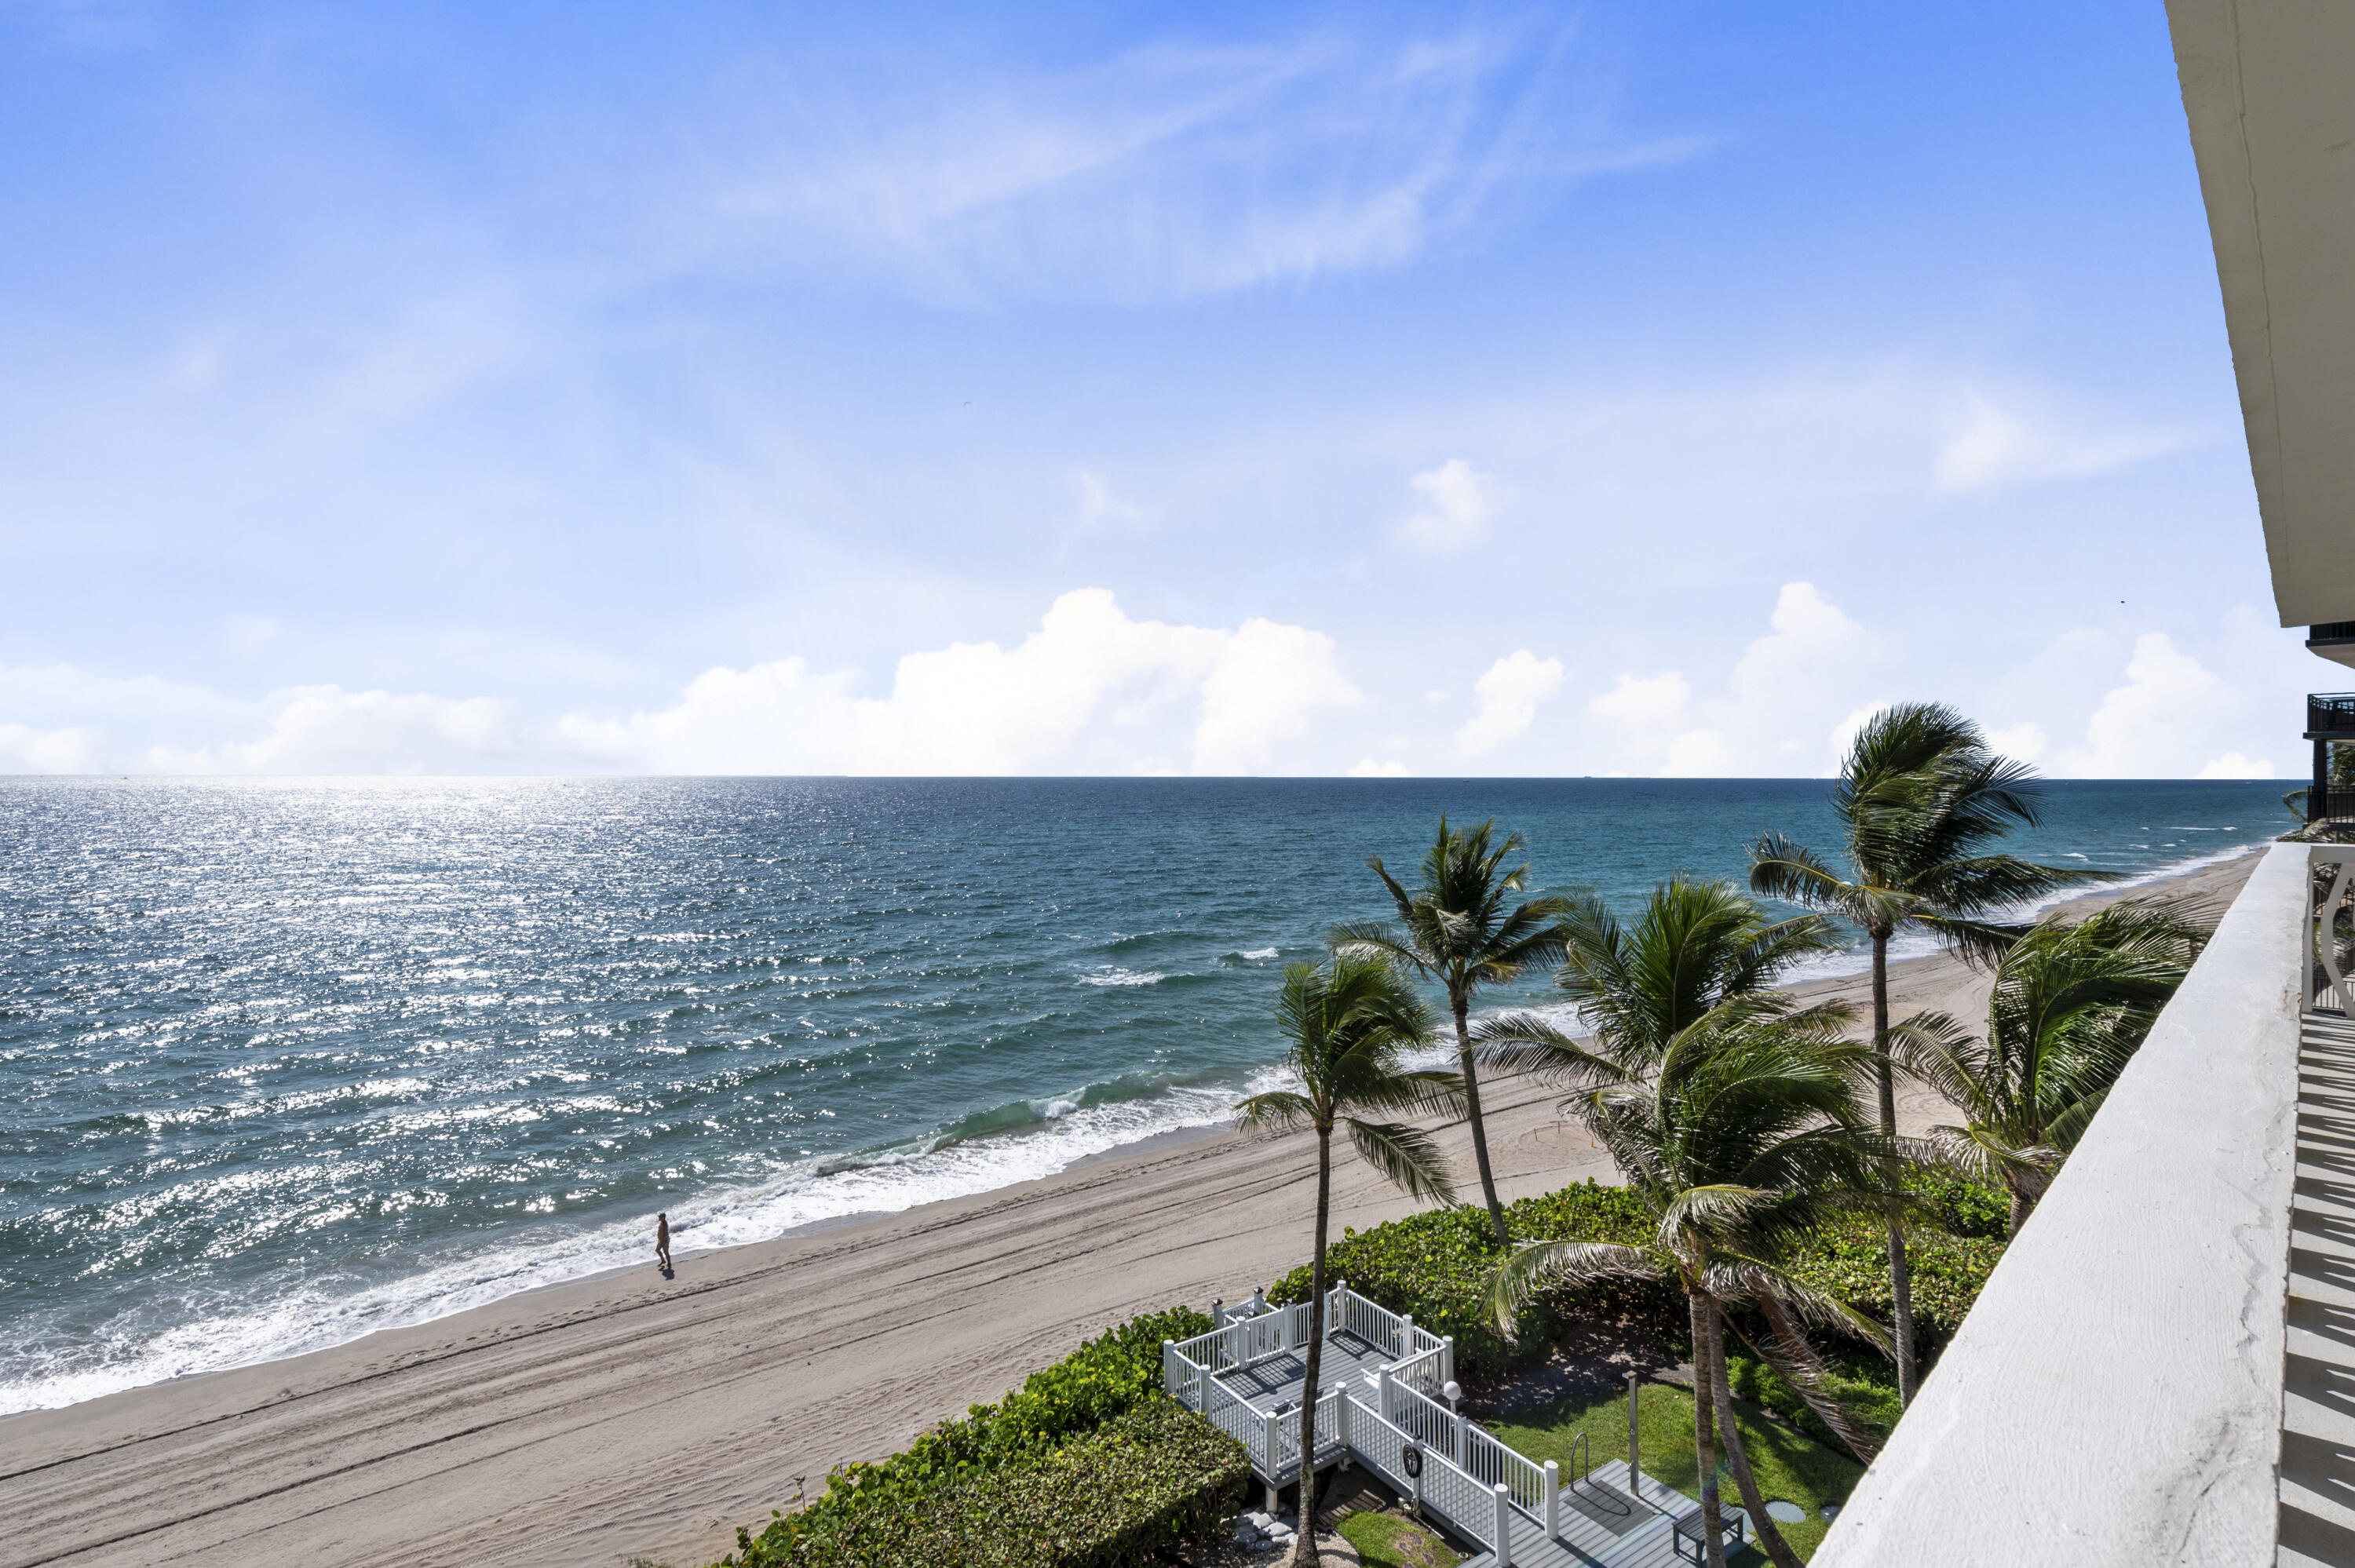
point(282, 1063)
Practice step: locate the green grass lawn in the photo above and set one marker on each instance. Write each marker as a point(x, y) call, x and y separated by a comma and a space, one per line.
point(1787, 1466)
point(1388, 1541)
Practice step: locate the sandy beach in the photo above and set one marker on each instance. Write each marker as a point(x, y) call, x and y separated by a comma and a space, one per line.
point(630, 1415)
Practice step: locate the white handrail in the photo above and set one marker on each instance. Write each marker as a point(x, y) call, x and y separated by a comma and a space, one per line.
point(1230, 1414)
point(1377, 1326)
point(1445, 1489)
point(1487, 1459)
point(1480, 1454)
point(1287, 1431)
point(1427, 1370)
point(1471, 1463)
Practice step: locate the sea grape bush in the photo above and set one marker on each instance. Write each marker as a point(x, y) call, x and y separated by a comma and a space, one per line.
point(1439, 1264)
point(1154, 1474)
point(1964, 1207)
point(1852, 1264)
point(1099, 1380)
point(1102, 1380)
point(1873, 1404)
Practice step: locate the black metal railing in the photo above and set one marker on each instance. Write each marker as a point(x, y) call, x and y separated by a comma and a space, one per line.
point(2329, 714)
point(2330, 631)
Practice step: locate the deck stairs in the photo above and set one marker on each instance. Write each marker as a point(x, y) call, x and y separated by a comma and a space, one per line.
point(1380, 1384)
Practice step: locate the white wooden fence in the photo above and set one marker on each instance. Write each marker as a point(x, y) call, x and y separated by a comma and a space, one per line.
point(1469, 1477)
point(1254, 1332)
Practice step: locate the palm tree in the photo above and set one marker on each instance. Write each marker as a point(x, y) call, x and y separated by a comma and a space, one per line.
point(1698, 946)
point(1345, 1023)
point(1920, 800)
point(2070, 1006)
point(1456, 927)
point(1746, 1136)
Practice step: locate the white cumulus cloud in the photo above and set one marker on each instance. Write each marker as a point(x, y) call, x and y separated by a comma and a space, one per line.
point(1789, 703)
point(23, 749)
point(1089, 689)
point(1458, 500)
point(2232, 765)
point(326, 730)
point(2022, 742)
point(1647, 701)
point(1507, 698)
point(2158, 723)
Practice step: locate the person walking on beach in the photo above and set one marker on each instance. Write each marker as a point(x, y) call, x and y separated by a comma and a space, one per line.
point(662, 1242)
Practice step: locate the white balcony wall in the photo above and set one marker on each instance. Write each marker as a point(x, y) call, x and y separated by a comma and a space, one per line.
point(2116, 1396)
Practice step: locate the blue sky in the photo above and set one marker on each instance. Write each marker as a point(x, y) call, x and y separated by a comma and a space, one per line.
point(1611, 388)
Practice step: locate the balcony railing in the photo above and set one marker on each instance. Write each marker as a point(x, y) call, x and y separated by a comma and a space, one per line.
point(2330, 715)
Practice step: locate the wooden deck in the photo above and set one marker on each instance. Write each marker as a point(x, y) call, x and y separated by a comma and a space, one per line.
point(1600, 1526)
point(1585, 1543)
point(1279, 1380)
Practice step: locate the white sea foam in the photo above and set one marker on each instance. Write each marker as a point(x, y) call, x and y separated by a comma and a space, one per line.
point(317, 1316)
point(1919, 944)
point(1110, 975)
point(1258, 954)
point(334, 1311)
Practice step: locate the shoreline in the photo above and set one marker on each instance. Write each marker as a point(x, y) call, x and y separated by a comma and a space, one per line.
point(854, 1187)
point(620, 1414)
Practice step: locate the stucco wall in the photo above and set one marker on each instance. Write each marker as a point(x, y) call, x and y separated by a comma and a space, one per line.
point(2116, 1396)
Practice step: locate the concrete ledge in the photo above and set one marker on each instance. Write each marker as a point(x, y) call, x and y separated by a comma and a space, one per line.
point(2116, 1396)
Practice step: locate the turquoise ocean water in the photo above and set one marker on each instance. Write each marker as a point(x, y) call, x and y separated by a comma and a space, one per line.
point(282, 1063)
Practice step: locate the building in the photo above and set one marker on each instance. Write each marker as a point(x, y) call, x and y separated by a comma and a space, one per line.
point(2162, 1368)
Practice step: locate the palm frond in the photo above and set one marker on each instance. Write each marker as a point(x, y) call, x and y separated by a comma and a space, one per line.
point(1369, 938)
point(1277, 1110)
point(1407, 1156)
point(1525, 1043)
point(1531, 1266)
point(1796, 1363)
point(1784, 869)
point(1815, 1305)
point(2067, 1126)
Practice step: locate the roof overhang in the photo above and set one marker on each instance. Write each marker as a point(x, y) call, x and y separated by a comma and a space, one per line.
point(2334, 642)
point(2269, 87)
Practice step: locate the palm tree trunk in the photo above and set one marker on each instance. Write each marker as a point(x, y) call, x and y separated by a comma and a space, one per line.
point(2020, 1205)
point(1900, 1274)
point(1472, 1113)
point(1761, 1524)
point(1305, 1552)
point(1712, 1523)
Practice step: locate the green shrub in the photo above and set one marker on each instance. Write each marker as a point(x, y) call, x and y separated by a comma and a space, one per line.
point(1101, 1380)
point(1857, 1387)
point(1438, 1266)
point(1963, 1207)
point(1153, 1475)
point(1096, 1383)
point(1852, 1264)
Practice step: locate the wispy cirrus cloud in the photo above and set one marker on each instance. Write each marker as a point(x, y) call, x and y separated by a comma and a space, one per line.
point(2026, 439)
point(1167, 171)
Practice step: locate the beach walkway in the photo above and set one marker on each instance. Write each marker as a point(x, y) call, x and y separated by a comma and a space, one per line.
point(1380, 1404)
